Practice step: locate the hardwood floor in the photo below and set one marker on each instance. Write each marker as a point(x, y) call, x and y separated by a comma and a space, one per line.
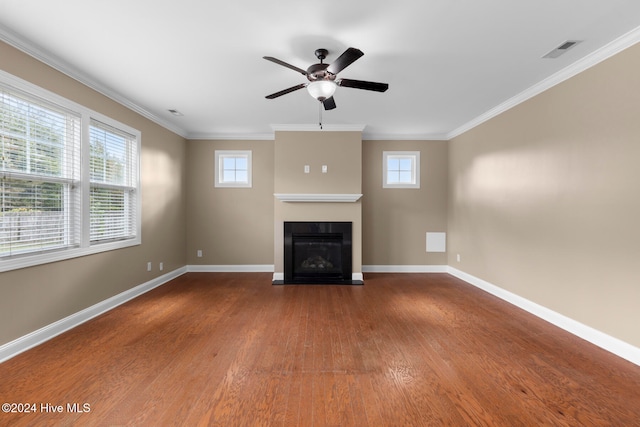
point(402, 350)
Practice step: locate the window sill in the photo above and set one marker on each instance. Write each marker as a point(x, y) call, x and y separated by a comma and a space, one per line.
point(32, 260)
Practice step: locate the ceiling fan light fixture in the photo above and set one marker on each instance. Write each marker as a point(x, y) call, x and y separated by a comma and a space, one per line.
point(322, 89)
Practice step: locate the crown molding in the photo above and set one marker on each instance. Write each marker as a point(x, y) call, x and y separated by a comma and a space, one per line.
point(316, 127)
point(231, 136)
point(616, 46)
point(404, 137)
point(64, 67)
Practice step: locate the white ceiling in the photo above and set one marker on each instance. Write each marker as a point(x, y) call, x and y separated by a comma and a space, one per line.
point(449, 63)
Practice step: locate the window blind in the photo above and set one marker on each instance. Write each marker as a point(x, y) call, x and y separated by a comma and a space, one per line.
point(40, 166)
point(113, 183)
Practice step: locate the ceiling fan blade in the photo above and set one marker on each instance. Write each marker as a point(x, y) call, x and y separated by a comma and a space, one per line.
point(329, 103)
point(286, 91)
point(347, 58)
point(284, 64)
point(361, 84)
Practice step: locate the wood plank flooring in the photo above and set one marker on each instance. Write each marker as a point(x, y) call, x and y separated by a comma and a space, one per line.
point(230, 349)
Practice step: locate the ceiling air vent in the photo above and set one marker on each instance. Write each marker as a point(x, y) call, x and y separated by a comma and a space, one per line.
point(562, 49)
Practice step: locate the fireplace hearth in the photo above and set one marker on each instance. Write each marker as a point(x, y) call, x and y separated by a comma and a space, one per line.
point(318, 253)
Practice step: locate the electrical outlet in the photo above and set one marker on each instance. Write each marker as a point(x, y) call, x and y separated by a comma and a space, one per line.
point(458, 257)
point(199, 253)
point(161, 266)
point(306, 169)
point(149, 266)
point(324, 168)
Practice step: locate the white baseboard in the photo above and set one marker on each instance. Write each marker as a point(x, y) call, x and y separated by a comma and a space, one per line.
point(24, 343)
point(404, 269)
point(602, 340)
point(240, 268)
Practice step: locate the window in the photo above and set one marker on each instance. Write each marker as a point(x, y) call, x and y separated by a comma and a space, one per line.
point(62, 196)
point(401, 169)
point(113, 175)
point(233, 168)
point(39, 145)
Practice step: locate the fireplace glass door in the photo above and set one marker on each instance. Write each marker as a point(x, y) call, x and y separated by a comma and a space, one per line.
point(317, 256)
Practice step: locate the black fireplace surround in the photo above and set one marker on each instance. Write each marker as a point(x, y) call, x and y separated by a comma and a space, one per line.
point(318, 253)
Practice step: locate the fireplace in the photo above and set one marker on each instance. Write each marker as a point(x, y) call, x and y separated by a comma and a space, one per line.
point(318, 253)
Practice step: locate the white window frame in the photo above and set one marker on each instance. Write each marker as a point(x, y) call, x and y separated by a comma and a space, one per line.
point(220, 156)
point(81, 224)
point(124, 227)
point(413, 156)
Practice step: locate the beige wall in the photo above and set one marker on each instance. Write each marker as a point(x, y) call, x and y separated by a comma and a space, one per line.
point(232, 226)
point(32, 298)
point(244, 226)
point(544, 200)
point(395, 221)
point(340, 151)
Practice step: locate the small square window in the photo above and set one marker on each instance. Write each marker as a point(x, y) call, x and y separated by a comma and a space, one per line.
point(401, 169)
point(233, 168)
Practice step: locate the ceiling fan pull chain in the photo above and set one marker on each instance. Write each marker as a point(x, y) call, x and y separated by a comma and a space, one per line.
point(320, 114)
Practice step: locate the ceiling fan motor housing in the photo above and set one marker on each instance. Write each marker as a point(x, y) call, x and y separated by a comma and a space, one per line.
point(319, 72)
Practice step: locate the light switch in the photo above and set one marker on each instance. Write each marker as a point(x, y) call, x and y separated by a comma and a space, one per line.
point(306, 168)
point(324, 168)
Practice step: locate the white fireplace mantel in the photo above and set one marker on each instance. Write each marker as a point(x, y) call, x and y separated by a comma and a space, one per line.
point(317, 198)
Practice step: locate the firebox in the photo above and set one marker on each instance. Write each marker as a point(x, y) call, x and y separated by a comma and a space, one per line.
point(318, 253)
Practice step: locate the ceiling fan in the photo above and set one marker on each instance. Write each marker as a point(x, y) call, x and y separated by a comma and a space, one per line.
point(323, 79)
